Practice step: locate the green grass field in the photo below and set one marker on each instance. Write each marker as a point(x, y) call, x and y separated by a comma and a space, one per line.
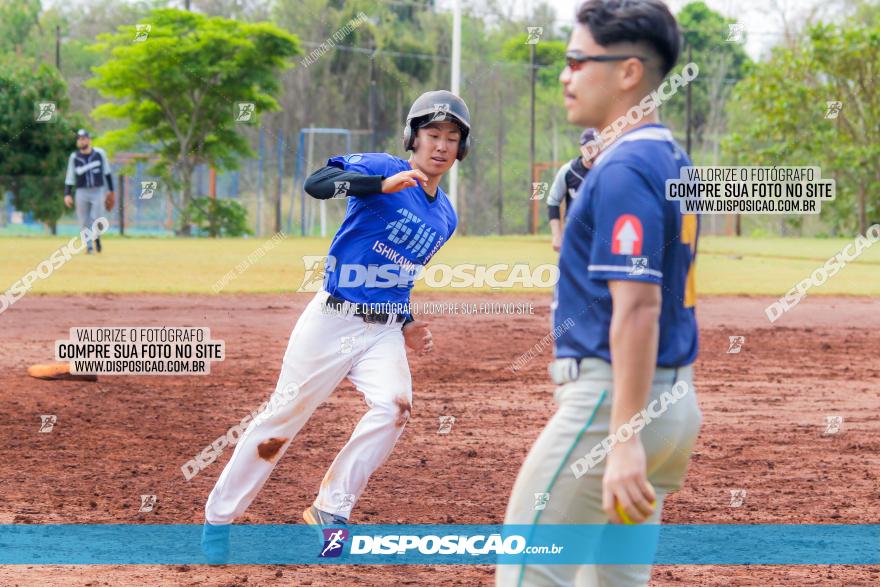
point(726, 265)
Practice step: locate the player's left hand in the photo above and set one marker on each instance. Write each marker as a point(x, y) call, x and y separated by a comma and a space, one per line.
point(418, 337)
point(626, 481)
point(109, 200)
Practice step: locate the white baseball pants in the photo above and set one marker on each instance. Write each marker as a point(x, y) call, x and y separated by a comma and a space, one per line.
point(325, 347)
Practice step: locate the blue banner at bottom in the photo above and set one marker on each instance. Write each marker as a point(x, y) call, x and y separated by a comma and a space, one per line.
point(712, 544)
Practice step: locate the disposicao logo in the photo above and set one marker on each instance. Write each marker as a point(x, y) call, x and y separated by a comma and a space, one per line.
point(334, 540)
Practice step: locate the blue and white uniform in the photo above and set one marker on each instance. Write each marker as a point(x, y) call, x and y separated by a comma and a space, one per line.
point(620, 228)
point(385, 239)
point(372, 258)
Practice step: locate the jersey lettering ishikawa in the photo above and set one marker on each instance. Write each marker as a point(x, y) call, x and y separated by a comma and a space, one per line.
point(385, 240)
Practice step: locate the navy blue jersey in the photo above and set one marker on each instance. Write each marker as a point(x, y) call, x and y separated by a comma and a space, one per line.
point(385, 239)
point(87, 171)
point(621, 227)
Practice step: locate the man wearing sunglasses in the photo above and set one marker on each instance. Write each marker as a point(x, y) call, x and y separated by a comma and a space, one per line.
point(627, 415)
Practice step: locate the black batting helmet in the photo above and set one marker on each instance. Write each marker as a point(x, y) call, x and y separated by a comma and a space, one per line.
point(437, 106)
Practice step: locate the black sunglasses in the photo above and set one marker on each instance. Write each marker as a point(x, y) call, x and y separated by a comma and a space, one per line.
point(574, 61)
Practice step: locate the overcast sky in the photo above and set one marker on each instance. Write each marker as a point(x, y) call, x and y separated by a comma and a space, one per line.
point(763, 24)
point(761, 18)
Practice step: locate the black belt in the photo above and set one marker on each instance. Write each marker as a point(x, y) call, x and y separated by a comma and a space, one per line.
point(362, 311)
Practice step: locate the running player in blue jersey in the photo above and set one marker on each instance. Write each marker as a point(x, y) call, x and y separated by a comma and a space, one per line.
point(357, 326)
point(623, 307)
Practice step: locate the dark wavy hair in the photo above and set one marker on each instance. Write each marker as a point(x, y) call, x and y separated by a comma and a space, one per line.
point(634, 21)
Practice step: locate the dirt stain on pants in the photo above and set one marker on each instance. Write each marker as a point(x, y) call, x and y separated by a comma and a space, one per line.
point(269, 448)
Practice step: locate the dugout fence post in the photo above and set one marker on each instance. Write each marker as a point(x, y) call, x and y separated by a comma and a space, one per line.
point(310, 152)
point(138, 178)
point(122, 190)
point(300, 164)
point(279, 185)
point(533, 213)
point(262, 153)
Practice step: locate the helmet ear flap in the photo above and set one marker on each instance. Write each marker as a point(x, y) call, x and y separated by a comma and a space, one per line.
point(463, 147)
point(408, 137)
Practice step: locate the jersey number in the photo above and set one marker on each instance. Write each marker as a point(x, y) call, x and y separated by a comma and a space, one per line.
point(689, 238)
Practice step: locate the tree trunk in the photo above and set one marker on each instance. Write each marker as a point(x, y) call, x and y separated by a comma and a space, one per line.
point(863, 213)
point(499, 151)
point(186, 173)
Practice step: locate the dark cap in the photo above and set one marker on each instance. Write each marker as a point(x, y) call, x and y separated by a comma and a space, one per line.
point(83, 133)
point(588, 135)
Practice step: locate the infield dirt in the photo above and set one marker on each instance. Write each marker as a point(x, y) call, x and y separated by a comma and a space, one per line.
point(764, 431)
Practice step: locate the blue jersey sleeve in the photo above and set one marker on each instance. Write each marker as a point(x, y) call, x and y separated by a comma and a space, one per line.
point(366, 163)
point(629, 229)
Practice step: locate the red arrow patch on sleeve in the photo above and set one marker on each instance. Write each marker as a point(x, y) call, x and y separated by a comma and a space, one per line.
point(626, 238)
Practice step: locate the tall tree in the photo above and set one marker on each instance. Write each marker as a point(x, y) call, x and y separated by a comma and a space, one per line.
point(721, 63)
point(178, 85)
point(33, 156)
point(818, 103)
point(17, 19)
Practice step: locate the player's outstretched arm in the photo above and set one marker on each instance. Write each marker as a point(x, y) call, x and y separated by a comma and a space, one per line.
point(324, 183)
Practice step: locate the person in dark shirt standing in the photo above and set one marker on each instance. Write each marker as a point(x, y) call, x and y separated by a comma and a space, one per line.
point(566, 185)
point(88, 172)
